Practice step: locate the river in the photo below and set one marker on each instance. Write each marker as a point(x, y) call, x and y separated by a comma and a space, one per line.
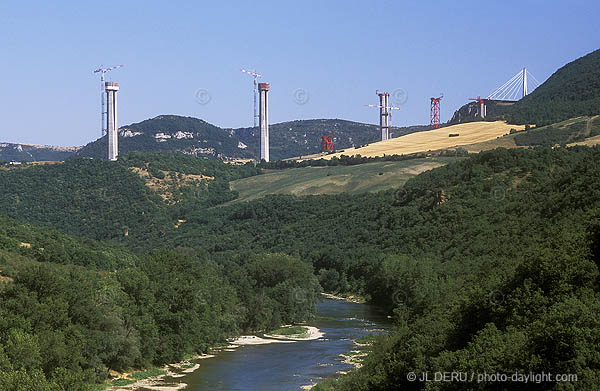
point(288, 366)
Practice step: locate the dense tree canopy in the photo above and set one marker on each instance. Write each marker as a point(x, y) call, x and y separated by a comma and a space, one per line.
point(487, 264)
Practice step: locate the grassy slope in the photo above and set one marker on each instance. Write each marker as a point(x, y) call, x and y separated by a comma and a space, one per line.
point(469, 133)
point(336, 179)
point(508, 141)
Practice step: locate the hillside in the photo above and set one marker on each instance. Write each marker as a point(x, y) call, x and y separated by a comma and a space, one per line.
point(437, 139)
point(193, 136)
point(575, 131)
point(496, 253)
point(188, 135)
point(299, 138)
point(34, 153)
point(499, 249)
point(172, 133)
point(469, 112)
point(50, 245)
point(572, 91)
point(357, 179)
point(66, 324)
point(141, 196)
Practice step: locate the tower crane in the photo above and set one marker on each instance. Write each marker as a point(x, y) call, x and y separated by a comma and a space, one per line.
point(482, 108)
point(385, 111)
point(434, 115)
point(102, 71)
point(255, 75)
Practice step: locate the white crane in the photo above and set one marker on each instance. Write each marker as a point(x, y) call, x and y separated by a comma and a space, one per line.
point(255, 75)
point(389, 110)
point(102, 71)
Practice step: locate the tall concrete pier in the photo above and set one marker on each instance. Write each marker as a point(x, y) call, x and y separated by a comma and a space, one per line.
point(524, 82)
point(384, 124)
point(111, 114)
point(263, 120)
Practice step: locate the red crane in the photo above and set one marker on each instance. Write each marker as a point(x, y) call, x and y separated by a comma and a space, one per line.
point(435, 112)
point(327, 143)
point(482, 108)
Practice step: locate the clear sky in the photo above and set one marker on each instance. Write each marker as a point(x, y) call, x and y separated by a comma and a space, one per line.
point(338, 52)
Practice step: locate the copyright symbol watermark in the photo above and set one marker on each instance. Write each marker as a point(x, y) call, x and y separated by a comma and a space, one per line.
point(299, 295)
point(411, 376)
point(496, 298)
point(399, 97)
point(202, 96)
point(400, 297)
point(300, 96)
point(401, 195)
point(498, 193)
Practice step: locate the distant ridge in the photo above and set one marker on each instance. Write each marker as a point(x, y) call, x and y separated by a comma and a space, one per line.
point(194, 136)
point(32, 152)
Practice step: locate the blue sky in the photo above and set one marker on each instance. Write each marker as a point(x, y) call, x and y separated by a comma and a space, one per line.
point(339, 52)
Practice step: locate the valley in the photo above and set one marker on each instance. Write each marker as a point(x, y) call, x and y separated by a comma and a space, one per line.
point(196, 252)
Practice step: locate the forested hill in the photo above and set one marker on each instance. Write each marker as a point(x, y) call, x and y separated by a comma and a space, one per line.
point(497, 254)
point(141, 196)
point(74, 309)
point(572, 91)
point(188, 135)
point(173, 133)
point(193, 136)
point(488, 264)
point(51, 245)
point(65, 322)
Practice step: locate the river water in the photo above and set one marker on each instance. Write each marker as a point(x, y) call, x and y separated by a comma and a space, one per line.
point(288, 366)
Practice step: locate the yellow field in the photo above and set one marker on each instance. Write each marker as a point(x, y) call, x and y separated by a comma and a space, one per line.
point(431, 140)
point(590, 142)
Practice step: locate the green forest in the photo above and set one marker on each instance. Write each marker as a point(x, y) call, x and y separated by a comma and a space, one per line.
point(63, 326)
point(486, 264)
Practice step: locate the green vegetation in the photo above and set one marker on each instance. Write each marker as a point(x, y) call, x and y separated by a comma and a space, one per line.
point(495, 250)
point(595, 127)
point(92, 198)
point(488, 264)
point(368, 339)
point(554, 135)
point(355, 159)
point(292, 331)
point(68, 325)
point(572, 91)
point(106, 200)
point(579, 129)
point(122, 382)
point(196, 137)
point(355, 179)
point(49, 245)
point(301, 138)
point(148, 373)
point(172, 133)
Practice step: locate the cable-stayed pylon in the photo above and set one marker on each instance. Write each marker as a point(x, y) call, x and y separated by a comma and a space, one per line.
point(516, 87)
